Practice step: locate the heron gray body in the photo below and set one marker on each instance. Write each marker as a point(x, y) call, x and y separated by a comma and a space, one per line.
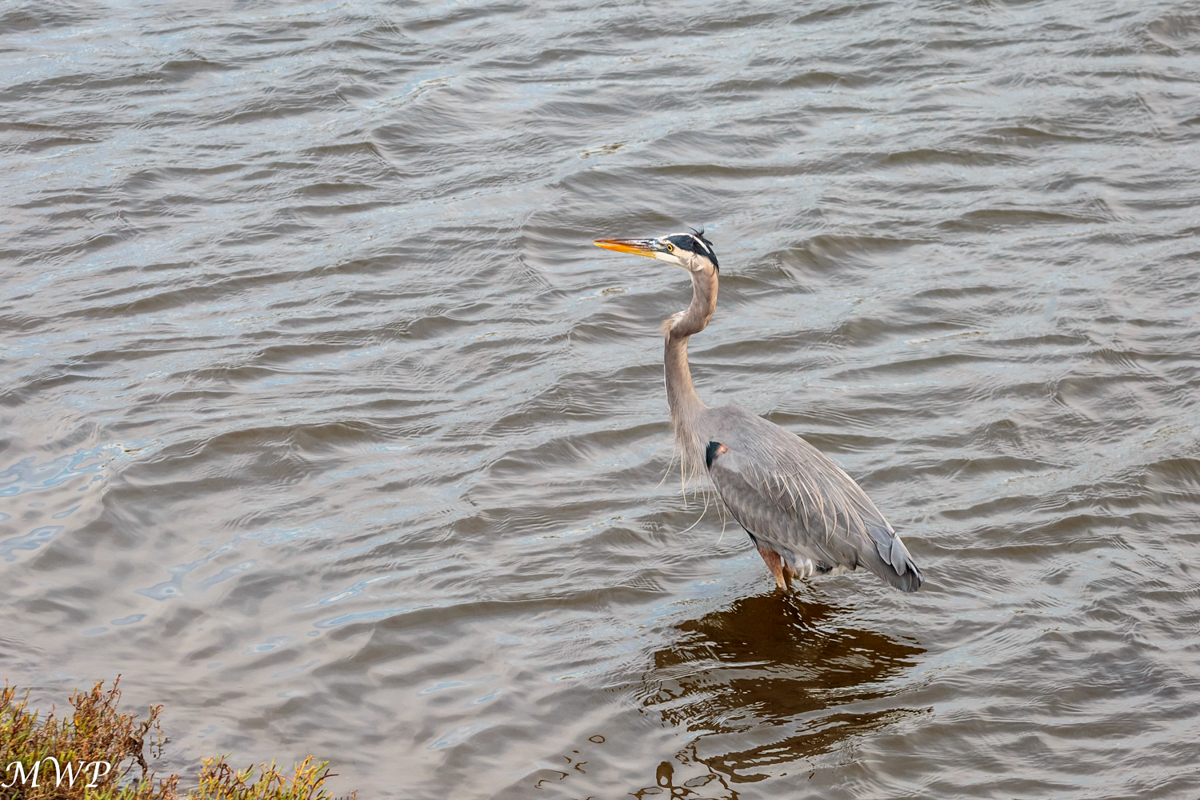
point(793, 500)
point(805, 515)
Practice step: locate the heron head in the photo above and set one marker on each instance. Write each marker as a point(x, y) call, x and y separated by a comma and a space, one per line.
point(688, 250)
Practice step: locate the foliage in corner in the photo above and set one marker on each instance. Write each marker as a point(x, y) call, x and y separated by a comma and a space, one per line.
point(90, 755)
point(58, 757)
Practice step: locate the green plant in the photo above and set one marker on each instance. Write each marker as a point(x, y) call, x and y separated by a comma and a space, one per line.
point(90, 755)
point(219, 781)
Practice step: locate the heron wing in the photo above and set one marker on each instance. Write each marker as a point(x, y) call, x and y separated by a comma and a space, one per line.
point(792, 496)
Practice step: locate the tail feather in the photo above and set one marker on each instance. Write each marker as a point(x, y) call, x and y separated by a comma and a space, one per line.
point(895, 563)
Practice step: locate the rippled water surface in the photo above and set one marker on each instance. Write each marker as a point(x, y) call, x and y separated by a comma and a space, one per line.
point(323, 422)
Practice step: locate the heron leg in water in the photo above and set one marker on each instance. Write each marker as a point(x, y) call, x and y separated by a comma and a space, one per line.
point(783, 574)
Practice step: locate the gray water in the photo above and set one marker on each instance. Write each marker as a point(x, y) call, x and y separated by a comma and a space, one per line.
point(323, 423)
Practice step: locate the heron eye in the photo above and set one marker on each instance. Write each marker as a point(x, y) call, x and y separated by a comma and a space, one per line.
point(670, 248)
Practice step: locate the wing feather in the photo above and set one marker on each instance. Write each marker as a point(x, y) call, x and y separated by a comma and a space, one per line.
point(792, 497)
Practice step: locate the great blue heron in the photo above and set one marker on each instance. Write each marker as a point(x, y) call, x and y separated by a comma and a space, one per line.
point(805, 515)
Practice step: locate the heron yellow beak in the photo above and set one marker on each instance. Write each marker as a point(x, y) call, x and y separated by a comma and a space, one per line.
point(639, 247)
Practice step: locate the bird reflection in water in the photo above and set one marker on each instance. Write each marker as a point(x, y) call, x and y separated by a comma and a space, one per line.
point(775, 667)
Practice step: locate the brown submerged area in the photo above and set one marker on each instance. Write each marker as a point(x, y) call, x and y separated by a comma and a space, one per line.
point(324, 424)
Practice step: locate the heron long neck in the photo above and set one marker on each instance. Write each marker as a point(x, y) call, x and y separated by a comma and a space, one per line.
point(685, 404)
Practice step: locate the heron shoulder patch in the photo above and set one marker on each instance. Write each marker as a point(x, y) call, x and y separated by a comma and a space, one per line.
point(713, 452)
